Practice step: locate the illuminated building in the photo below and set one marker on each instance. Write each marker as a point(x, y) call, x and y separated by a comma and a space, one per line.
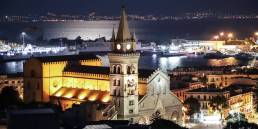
point(239, 98)
point(224, 80)
point(134, 93)
point(13, 80)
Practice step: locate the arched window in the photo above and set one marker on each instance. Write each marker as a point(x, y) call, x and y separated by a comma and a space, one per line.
point(118, 69)
point(129, 70)
point(114, 69)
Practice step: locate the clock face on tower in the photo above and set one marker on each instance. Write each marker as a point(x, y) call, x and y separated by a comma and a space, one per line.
point(128, 46)
point(118, 46)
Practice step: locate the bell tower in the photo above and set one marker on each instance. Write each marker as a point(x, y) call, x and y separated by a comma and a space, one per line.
point(124, 71)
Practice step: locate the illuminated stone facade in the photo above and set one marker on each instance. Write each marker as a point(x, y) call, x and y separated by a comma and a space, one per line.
point(43, 76)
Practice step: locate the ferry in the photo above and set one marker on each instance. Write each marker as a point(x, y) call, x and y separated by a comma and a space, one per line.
point(215, 55)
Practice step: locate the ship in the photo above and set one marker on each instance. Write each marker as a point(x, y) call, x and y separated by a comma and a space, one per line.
point(215, 55)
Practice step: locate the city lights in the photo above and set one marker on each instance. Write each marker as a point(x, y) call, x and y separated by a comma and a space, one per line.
point(216, 37)
point(256, 34)
point(195, 72)
point(106, 98)
point(221, 33)
point(230, 35)
point(23, 38)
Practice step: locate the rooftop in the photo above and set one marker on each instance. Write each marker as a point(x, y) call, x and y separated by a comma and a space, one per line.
point(233, 89)
point(67, 58)
point(143, 73)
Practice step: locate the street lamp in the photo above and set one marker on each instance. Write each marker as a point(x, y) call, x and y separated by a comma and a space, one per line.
point(216, 37)
point(256, 34)
point(23, 38)
point(221, 33)
point(230, 35)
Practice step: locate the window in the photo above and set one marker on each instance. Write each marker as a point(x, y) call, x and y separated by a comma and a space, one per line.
point(114, 83)
point(131, 102)
point(118, 82)
point(114, 92)
point(131, 111)
point(32, 73)
point(204, 97)
point(128, 70)
point(118, 69)
point(114, 69)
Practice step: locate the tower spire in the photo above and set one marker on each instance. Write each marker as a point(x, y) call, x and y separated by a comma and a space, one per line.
point(113, 38)
point(123, 30)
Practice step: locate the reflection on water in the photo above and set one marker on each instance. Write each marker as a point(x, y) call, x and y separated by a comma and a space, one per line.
point(149, 62)
point(222, 62)
point(154, 61)
point(11, 67)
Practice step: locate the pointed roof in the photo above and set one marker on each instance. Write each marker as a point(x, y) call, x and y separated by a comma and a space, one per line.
point(113, 38)
point(123, 30)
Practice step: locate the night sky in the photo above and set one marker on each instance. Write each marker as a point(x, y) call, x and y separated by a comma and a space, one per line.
point(111, 7)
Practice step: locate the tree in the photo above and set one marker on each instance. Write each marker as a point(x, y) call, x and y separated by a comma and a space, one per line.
point(165, 124)
point(155, 116)
point(241, 125)
point(218, 103)
point(192, 105)
point(9, 97)
point(236, 117)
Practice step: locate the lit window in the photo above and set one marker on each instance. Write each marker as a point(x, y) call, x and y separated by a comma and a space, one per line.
point(128, 46)
point(118, 46)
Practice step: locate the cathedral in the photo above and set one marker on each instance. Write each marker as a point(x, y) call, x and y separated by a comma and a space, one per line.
point(121, 91)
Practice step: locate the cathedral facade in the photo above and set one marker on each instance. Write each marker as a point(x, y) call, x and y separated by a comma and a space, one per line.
point(121, 91)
